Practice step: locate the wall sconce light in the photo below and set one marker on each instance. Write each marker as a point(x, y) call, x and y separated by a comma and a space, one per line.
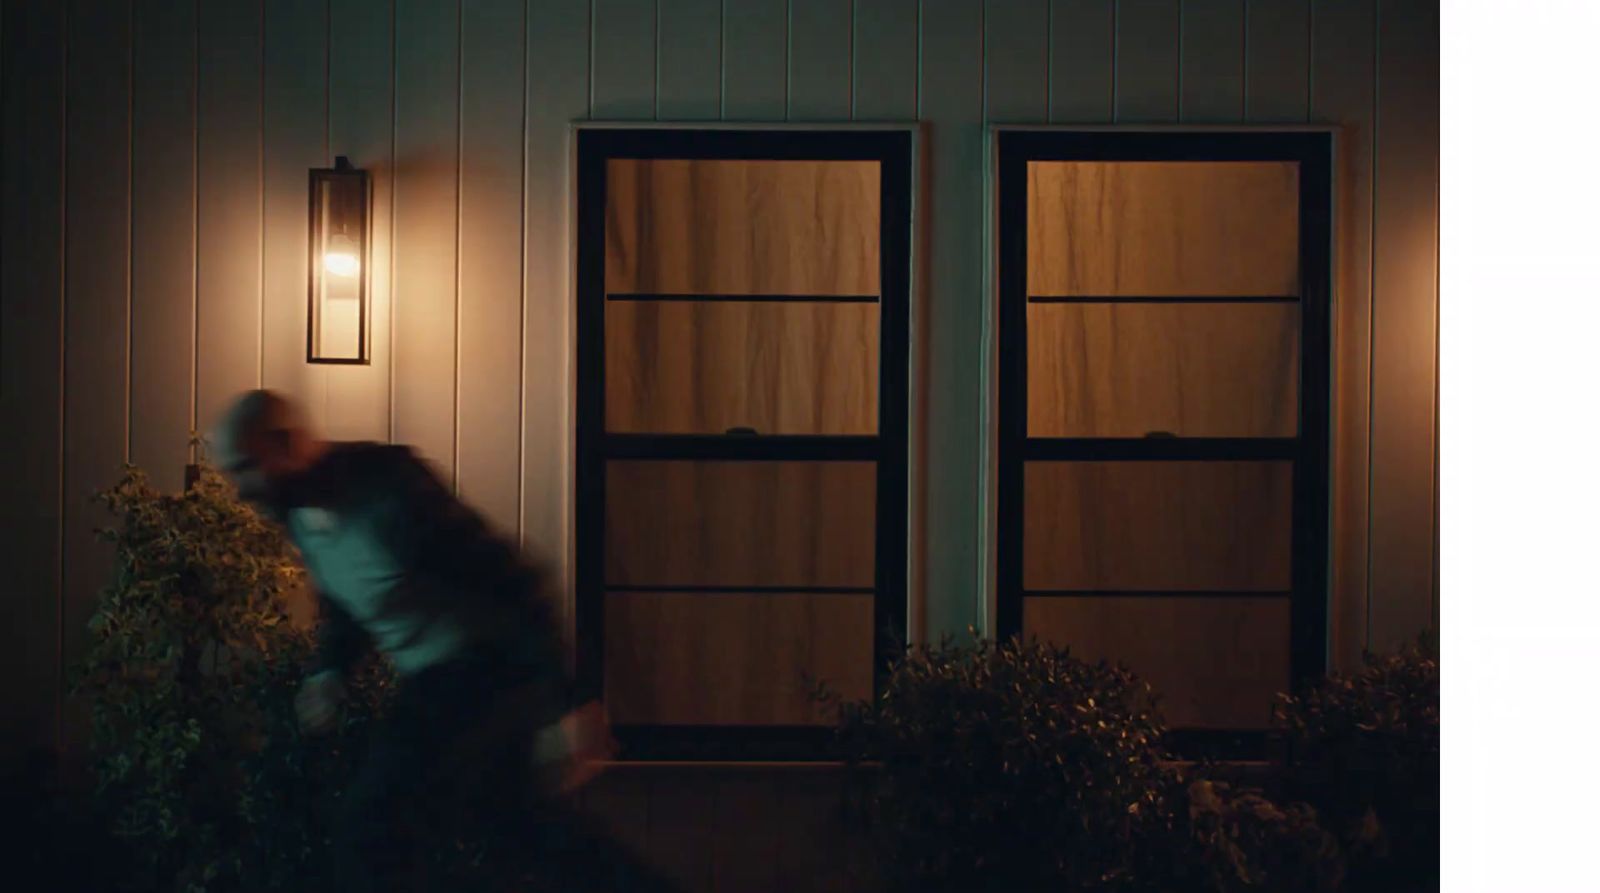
point(339, 315)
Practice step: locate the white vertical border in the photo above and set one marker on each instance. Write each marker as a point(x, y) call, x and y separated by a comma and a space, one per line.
point(1517, 323)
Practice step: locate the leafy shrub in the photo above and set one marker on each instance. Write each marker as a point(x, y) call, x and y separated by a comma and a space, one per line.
point(1234, 840)
point(1017, 767)
point(1364, 749)
point(199, 767)
point(1005, 767)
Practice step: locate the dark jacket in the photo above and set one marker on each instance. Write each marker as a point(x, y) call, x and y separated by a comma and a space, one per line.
point(454, 564)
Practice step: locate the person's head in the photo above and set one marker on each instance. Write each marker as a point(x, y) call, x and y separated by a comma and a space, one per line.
point(264, 445)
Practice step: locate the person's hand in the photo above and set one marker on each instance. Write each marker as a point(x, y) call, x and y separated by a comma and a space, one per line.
point(589, 744)
point(318, 702)
point(589, 730)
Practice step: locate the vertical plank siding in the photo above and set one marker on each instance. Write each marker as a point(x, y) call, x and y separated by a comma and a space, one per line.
point(154, 259)
point(163, 366)
point(95, 435)
point(427, 229)
point(227, 205)
point(294, 118)
point(885, 60)
point(1147, 59)
point(488, 421)
point(1211, 47)
point(32, 270)
point(820, 70)
point(557, 72)
point(689, 60)
point(1343, 92)
point(951, 94)
point(361, 127)
point(755, 60)
point(1405, 301)
point(1277, 61)
point(1082, 61)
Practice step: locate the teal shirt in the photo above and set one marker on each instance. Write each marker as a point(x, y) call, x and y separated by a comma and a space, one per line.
point(405, 566)
point(351, 565)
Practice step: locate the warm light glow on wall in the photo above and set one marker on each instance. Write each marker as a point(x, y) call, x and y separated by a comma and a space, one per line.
point(338, 317)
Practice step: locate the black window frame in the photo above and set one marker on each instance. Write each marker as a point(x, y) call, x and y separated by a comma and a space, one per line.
point(1308, 450)
point(888, 448)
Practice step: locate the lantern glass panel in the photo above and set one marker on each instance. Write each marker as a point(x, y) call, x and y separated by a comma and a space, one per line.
point(339, 316)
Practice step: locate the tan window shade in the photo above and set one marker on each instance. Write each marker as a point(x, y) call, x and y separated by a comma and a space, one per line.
point(742, 227)
point(703, 367)
point(1157, 525)
point(733, 659)
point(1216, 662)
point(765, 523)
point(1194, 370)
point(1169, 228)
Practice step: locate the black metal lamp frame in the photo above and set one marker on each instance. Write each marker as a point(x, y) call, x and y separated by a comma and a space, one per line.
point(330, 178)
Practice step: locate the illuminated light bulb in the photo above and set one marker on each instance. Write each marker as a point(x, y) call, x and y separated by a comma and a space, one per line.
point(341, 263)
point(341, 258)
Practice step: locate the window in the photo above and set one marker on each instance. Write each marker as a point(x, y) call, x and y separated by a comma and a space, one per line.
point(742, 380)
point(1163, 419)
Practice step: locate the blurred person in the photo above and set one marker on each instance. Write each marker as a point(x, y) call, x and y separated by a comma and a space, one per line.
point(484, 714)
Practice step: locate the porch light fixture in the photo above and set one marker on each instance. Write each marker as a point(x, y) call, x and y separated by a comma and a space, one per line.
point(338, 313)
